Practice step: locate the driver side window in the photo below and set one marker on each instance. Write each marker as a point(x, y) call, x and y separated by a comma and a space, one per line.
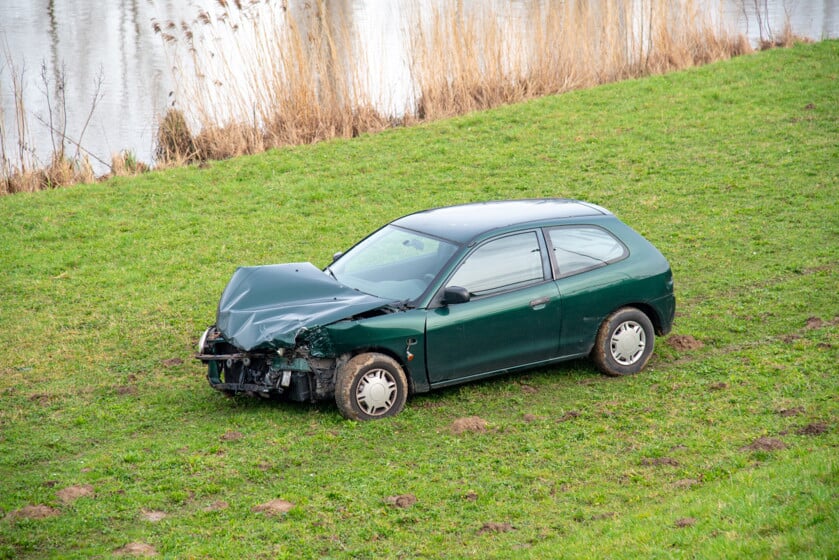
point(501, 264)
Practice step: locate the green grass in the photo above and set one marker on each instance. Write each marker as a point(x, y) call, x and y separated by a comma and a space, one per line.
point(732, 170)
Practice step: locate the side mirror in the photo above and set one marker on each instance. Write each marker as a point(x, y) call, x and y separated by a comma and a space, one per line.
point(456, 294)
point(337, 256)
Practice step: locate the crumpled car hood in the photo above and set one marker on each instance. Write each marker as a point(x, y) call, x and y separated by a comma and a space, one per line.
point(268, 306)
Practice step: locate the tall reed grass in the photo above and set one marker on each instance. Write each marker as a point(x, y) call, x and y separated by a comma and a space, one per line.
point(20, 168)
point(259, 74)
point(465, 60)
point(290, 76)
point(294, 75)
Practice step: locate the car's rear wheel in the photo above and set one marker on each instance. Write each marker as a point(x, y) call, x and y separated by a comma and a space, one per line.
point(370, 386)
point(624, 342)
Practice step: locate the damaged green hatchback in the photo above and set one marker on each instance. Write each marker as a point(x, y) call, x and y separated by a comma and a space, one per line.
point(441, 297)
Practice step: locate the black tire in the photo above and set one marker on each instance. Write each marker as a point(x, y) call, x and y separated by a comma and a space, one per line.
point(624, 342)
point(370, 386)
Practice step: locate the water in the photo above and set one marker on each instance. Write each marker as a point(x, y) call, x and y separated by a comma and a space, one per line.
point(112, 43)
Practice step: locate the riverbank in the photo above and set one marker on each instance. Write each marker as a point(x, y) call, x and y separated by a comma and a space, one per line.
point(725, 447)
point(256, 76)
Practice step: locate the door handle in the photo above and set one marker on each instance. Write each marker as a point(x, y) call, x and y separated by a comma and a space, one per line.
point(539, 303)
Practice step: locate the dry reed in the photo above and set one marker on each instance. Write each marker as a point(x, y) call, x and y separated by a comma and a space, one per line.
point(21, 171)
point(256, 75)
point(125, 163)
point(291, 76)
point(464, 61)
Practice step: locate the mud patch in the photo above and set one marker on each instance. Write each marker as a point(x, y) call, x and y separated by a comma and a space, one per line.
point(658, 461)
point(274, 507)
point(42, 399)
point(684, 342)
point(172, 362)
point(570, 415)
point(136, 549)
point(474, 424)
point(718, 386)
point(686, 483)
point(401, 501)
point(495, 528)
point(529, 389)
point(530, 418)
point(39, 511)
point(814, 323)
point(470, 497)
point(787, 412)
point(126, 390)
point(231, 435)
point(72, 493)
point(814, 429)
point(766, 444)
point(152, 516)
point(218, 505)
point(685, 522)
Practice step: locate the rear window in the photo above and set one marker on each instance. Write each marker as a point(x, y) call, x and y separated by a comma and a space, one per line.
point(581, 248)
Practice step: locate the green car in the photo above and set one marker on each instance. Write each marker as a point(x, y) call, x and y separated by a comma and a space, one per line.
point(442, 297)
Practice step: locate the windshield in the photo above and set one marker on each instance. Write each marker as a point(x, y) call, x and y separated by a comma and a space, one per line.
point(393, 263)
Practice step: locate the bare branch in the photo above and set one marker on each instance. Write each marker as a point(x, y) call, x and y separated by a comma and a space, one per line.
point(77, 144)
point(48, 98)
point(97, 97)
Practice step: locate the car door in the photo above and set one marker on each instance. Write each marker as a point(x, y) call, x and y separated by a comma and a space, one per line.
point(590, 282)
point(510, 320)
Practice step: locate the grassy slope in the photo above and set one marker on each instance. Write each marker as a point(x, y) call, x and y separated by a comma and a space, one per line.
point(732, 170)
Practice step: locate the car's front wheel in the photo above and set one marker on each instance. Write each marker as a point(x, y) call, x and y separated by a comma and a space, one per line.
point(624, 342)
point(370, 386)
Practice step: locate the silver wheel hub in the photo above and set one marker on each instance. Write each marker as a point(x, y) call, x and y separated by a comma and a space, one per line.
point(376, 392)
point(628, 343)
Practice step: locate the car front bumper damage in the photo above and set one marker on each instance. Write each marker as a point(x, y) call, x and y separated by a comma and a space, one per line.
point(293, 374)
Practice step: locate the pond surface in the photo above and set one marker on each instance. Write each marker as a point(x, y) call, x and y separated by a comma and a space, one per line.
point(82, 43)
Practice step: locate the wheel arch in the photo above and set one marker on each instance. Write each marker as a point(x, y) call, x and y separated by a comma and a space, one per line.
point(647, 310)
point(390, 354)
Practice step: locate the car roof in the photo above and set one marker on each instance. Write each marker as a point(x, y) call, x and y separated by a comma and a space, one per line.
point(466, 222)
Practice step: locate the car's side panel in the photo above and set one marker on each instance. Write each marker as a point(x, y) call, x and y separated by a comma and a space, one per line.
point(587, 299)
point(400, 334)
point(643, 278)
point(493, 333)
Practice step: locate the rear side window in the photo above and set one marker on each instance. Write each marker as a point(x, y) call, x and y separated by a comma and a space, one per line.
point(501, 264)
point(581, 248)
